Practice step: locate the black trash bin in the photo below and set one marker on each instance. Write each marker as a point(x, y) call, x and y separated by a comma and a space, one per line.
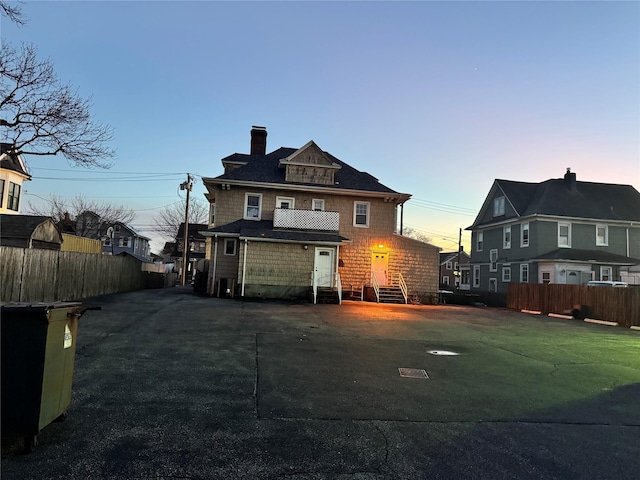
point(38, 352)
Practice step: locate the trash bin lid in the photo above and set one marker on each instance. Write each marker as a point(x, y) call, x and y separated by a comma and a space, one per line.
point(36, 306)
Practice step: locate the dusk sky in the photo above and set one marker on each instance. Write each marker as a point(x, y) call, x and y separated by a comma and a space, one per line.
point(435, 99)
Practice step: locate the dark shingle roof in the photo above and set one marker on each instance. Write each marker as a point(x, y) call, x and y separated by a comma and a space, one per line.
point(20, 226)
point(588, 200)
point(264, 229)
point(265, 168)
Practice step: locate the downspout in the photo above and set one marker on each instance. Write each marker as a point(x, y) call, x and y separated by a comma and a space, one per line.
point(628, 251)
point(244, 267)
point(401, 217)
point(212, 277)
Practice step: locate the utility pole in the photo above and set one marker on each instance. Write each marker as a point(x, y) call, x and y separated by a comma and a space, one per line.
point(185, 244)
point(459, 250)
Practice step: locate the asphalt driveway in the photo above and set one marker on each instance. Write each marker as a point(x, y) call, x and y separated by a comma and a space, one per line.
point(172, 385)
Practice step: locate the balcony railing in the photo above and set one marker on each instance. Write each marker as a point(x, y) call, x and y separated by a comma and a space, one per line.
point(306, 219)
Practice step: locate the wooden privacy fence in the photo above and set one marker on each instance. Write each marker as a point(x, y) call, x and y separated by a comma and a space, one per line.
point(620, 305)
point(35, 275)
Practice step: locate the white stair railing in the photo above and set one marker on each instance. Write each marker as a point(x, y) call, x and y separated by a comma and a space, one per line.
point(403, 287)
point(314, 284)
point(376, 287)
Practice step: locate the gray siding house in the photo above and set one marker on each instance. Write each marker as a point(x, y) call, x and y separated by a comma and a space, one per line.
point(557, 231)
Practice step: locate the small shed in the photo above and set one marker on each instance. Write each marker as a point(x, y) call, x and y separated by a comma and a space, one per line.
point(29, 231)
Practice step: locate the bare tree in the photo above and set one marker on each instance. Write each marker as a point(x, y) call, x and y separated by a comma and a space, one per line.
point(87, 217)
point(40, 116)
point(170, 217)
point(13, 12)
point(416, 234)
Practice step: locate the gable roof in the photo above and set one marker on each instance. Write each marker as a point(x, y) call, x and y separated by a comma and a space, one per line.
point(558, 197)
point(21, 226)
point(266, 169)
point(195, 230)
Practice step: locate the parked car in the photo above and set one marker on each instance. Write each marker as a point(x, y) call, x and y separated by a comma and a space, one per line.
point(606, 283)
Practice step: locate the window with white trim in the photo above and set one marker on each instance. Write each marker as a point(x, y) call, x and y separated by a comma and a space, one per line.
point(564, 235)
point(602, 235)
point(13, 197)
point(476, 276)
point(361, 214)
point(493, 258)
point(1, 192)
point(546, 277)
point(498, 206)
point(252, 206)
point(524, 235)
point(479, 241)
point(445, 280)
point(506, 236)
point(524, 273)
point(493, 285)
point(212, 213)
point(506, 274)
point(285, 202)
point(317, 204)
point(605, 274)
point(229, 246)
point(448, 265)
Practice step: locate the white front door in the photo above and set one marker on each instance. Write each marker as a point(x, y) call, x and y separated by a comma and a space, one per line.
point(379, 266)
point(323, 268)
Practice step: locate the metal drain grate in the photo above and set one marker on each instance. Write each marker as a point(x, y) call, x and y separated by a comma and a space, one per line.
point(413, 373)
point(442, 352)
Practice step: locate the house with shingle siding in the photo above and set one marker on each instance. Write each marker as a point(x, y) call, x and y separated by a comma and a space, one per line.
point(558, 231)
point(286, 223)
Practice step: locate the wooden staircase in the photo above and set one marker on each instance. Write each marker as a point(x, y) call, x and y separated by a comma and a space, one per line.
point(391, 294)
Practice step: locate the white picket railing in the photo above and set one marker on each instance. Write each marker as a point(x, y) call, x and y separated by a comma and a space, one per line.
point(306, 219)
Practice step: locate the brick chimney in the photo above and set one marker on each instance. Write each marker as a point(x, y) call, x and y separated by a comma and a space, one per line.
point(570, 180)
point(258, 140)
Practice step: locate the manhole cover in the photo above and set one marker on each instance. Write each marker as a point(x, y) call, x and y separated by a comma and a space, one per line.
point(412, 373)
point(442, 352)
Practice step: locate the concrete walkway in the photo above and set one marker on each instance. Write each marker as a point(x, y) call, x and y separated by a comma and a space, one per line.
point(169, 385)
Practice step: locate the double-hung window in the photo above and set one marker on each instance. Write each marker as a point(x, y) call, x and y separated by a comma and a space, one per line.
point(506, 274)
point(476, 276)
point(602, 235)
point(361, 214)
point(498, 206)
point(605, 273)
point(564, 235)
point(1, 192)
point(252, 206)
point(229, 246)
point(524, 235)
point(524, 273)
point(13, 199)
point(506, 235)
point(448, 266)
point(479, 241)
point(493, 259)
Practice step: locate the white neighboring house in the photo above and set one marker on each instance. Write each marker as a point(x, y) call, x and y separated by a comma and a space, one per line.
point(12, 174)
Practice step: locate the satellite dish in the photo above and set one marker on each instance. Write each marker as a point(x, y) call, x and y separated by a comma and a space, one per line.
point(110, 232)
